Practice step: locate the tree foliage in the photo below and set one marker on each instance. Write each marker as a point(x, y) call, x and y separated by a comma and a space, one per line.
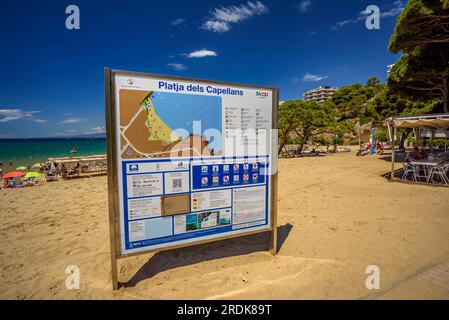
point(422, 33)
point(372, 82)
point(351, 108)
point(352, 101)
point(423, 74)
point(422, 22)
point(385, 105)
point(302, 120)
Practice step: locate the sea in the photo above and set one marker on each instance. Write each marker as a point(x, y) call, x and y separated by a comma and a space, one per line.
point(24, 152)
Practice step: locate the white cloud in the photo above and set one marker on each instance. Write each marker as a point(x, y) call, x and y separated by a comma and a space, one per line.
point(222, 18)
point(40, 120)
point(177, 66)
point(305, 5)
point(216, 26)
point(313, 77)
point(71, 120)
point(178, 22)
point(96, 130)
point(202, 53)
point(66, 133)
point(398, 6)
point(8, 115)
point(395, 10)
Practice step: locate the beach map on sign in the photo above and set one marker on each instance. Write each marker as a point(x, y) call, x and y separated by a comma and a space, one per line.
point(160, 124)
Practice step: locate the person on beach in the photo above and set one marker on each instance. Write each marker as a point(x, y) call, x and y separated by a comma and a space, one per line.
point(64, 171)
point(379, 148)
point(416, 154)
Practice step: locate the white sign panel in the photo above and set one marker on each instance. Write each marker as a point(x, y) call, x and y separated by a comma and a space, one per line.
point(193, 160)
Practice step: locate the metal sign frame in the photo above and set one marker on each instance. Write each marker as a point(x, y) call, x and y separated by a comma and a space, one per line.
point(113, 200)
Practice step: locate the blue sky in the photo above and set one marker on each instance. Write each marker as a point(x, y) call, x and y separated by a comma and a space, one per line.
point(51, 82)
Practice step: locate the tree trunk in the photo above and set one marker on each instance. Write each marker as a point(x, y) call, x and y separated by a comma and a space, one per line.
point(281, 146)
point(403, 136)
point(446, 98)
point(301, 146)
point(305, 138)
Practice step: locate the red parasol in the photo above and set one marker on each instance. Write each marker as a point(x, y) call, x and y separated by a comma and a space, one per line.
point(14, 174)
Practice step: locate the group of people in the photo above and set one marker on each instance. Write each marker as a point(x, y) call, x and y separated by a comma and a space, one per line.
point(417, 154)
point(50, 171)
point(371, 148)
point(54, 170)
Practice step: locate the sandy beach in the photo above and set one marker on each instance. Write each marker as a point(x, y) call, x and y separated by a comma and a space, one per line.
point(337, 215)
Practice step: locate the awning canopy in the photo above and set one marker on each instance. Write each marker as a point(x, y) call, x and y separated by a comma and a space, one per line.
point(428, 121)
point(70, 160)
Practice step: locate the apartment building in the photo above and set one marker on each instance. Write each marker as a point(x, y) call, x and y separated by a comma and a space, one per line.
point(320, 94)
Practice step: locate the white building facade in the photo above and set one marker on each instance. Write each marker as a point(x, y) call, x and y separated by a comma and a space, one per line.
point(320, 94)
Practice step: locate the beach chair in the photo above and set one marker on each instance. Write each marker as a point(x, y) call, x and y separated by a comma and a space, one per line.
point(51, 176)
point(441, 171)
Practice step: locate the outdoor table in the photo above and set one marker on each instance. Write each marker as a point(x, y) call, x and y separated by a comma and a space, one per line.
point(427, 164)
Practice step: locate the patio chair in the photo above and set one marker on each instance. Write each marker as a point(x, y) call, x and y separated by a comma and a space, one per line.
point(420, 171)
point(441, 171)
point(408, 169)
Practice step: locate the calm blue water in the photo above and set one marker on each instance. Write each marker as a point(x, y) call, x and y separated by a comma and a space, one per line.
point(30, 151)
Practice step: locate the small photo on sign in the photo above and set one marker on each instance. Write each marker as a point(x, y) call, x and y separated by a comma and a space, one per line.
point(175, 204)
point(208, 219)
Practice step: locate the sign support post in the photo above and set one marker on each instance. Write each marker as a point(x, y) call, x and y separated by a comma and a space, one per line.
point(274, 179)
point(112, 176)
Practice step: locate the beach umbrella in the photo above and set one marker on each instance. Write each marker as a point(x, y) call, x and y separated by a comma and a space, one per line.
point(13, 174)
point(37, 165)
point(33, 175)
point(21, 168)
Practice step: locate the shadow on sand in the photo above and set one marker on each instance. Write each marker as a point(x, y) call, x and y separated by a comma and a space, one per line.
point(167, 260)
point(399, 158)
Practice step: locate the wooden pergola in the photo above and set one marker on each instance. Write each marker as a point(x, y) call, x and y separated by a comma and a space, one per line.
point(431, 122)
